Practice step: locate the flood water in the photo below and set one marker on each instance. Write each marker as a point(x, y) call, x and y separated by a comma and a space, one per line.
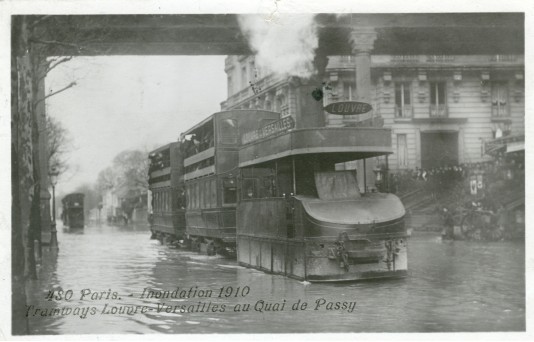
point(451, 287)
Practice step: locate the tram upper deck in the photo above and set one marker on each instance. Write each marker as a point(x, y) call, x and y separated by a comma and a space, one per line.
point(338, 144)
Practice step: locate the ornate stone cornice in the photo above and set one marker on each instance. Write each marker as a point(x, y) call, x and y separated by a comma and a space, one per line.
point(362, 39)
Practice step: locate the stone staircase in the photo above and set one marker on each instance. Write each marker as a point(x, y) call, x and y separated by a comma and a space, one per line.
point(421, 211)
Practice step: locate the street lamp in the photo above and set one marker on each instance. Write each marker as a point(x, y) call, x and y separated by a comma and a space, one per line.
point(53, 181)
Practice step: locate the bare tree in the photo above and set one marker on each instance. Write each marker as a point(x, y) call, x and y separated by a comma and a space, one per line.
point(132, 169)
point(35, 51)
point(106, 180)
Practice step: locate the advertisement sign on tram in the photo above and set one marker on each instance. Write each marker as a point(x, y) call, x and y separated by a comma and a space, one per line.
point(270, 129)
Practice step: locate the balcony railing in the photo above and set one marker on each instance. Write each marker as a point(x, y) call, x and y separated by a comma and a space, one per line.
point(405, 59)
point(499, 110)
point(438, 111)
point(403, 111)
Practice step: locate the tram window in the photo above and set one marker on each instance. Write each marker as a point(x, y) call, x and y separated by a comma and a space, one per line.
point(199, 200)
point(204, 194)
point(197, 196)
point(228, 131)
point(207, 137)
point(249, 188)
point(229, 191)
point(207, 194)
point(193, 196)
point(188, 197)
point(269, 187)
point(200, 195)
point(166, 200)
point(180, 198)
point(213, 192)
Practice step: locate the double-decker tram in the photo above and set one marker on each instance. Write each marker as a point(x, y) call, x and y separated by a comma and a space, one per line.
point(72, 214)
point(210, 176)
point(246, 183)
point(299, 217)
point(167, 190)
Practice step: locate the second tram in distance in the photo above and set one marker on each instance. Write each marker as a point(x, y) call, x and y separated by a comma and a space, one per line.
point(255, 187)
point(72, 214)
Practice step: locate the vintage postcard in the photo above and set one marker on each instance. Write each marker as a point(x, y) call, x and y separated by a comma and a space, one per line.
point(264, 168)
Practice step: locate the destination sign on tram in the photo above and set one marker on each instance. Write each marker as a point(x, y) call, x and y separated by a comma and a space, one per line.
point(348, 108)
point(268, 130)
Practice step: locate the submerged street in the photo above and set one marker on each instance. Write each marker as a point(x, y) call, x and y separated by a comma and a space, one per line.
point(452, 287)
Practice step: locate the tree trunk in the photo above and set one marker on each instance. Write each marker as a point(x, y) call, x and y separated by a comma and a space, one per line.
point(23, 182)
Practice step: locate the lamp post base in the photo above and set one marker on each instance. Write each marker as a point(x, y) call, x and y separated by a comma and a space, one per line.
point(53, 237)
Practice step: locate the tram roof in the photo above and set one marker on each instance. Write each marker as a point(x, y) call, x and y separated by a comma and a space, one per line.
point(359, 142)
point(163, 147)
point(233, 112)
point(75, 195)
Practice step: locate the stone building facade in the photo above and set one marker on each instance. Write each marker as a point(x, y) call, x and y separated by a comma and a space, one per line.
point(441, 108)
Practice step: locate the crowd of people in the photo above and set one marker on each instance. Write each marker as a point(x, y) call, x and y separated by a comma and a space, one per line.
point(474, 179)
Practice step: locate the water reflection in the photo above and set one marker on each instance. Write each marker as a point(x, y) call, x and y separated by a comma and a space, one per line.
point(452, 286)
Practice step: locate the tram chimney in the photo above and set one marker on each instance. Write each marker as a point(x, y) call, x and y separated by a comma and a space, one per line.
point(309, 94)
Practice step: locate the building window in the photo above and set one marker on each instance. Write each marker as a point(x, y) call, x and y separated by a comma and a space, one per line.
point(403, 102)
point(402, 151)
point(499, 99)
point(281, 105)
point(438, 101)
point(347, 92)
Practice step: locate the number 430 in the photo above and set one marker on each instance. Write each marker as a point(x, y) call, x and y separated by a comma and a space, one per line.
point(59, 295)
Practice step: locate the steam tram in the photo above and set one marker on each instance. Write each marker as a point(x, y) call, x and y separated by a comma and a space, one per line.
point(72, 214)
point(259, 188)
point(300, 217)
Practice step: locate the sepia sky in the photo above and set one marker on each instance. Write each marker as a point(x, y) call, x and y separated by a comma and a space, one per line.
point(129, 102)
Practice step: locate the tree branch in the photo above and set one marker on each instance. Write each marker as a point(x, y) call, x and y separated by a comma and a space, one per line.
point(65, 59)
point(72, 84)
point(38, 21)
point(55, 42)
